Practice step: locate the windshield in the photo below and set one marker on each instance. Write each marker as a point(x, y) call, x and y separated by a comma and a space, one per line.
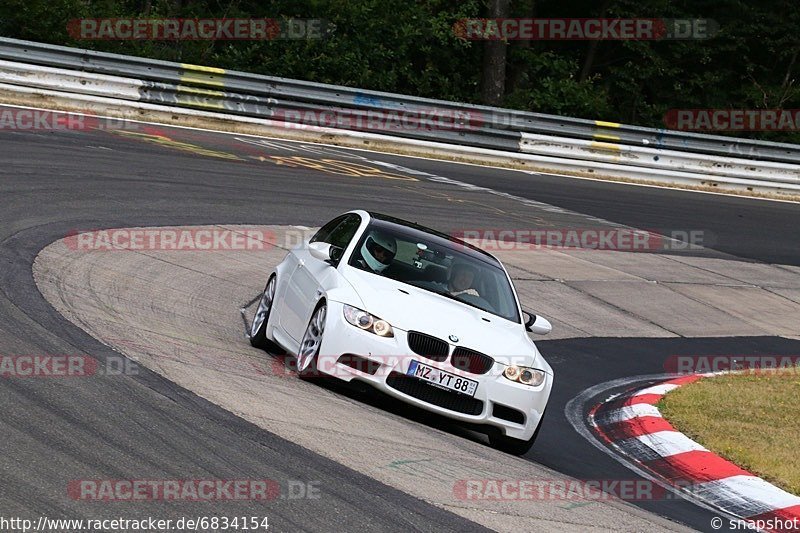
point(437, 265)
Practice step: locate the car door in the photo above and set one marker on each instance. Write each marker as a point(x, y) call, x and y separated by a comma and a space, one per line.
point(305, 284)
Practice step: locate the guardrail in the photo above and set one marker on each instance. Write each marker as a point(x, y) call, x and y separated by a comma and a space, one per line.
point(548, 141)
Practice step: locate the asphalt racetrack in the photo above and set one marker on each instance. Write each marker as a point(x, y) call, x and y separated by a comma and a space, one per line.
point(54, 183)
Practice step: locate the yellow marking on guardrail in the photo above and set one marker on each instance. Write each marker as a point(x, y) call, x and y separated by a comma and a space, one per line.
point(335, 166)
point(200, 75)
point(201, 92)
point(606, 137)
point(178, 145)
point(606, 146)
point(604, 124)
point(201, 68)
point(204, 98)
point(203, 105)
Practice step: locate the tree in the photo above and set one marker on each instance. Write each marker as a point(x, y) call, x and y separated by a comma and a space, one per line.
point(493, 81)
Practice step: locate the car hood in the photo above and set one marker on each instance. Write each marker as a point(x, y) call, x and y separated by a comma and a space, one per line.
point(407, 308)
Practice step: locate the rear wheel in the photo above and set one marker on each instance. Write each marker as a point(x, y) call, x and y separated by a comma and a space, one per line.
point(310, 345)
point(258, 329)
point(515, 446)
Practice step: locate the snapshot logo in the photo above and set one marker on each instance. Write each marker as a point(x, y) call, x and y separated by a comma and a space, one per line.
point(617, 239)
point(733, 119)
point(197, 490)
point(382, 120)
point(576, 490)
point(206, 239)
point(583, 29)
point(59, 366)
point(41, 120)
point(754, 364)
point(774, 523)
point(197, 29)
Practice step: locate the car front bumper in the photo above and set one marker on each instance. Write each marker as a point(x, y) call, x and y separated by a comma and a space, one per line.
point(511, 407)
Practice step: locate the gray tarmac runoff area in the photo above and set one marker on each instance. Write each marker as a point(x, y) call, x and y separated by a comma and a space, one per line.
point(204, 404)
point(163, 311)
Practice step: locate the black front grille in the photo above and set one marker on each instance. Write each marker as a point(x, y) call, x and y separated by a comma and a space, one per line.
point(434, 395)
point(471, 361)
point(427, 346)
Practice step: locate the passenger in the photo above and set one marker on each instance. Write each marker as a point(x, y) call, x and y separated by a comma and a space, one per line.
point(461, 278)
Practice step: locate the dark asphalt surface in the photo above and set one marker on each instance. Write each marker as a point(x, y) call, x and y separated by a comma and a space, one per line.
point(52, 183)
point(144, 427)
point(760, 230)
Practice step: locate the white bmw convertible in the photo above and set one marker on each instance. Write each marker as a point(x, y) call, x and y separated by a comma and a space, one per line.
point(418, 314)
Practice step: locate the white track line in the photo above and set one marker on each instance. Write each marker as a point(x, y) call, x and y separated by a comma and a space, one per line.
point(621, 183)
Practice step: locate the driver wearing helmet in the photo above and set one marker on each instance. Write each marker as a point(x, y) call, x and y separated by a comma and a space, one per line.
point(377, 252)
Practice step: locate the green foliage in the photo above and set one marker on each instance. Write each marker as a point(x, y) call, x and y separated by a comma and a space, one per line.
point(549, 84)
point(411, 48)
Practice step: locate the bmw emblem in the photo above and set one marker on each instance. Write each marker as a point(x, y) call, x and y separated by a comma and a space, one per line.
point(453, 338)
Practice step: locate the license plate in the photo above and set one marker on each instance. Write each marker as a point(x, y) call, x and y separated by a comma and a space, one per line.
point(441, 378)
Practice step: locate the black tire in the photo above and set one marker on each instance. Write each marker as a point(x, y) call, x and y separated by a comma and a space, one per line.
point(258, 336)
point(310, 360)
point(514, 446)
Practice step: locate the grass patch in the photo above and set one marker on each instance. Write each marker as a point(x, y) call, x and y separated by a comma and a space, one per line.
point(752, 420)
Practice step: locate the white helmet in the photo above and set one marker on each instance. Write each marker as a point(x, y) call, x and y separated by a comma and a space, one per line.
point(378, 244)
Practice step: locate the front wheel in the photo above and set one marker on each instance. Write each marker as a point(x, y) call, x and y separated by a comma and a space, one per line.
point(311, 343)
point(258, 329)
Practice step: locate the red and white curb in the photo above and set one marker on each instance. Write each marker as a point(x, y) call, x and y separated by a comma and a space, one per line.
point(632, 424)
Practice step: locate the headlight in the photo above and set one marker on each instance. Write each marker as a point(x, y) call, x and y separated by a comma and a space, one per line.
point(367, 322)
point(524, 375)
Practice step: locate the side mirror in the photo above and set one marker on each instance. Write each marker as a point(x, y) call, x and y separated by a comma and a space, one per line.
point(537, 324)
point(325, 252)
